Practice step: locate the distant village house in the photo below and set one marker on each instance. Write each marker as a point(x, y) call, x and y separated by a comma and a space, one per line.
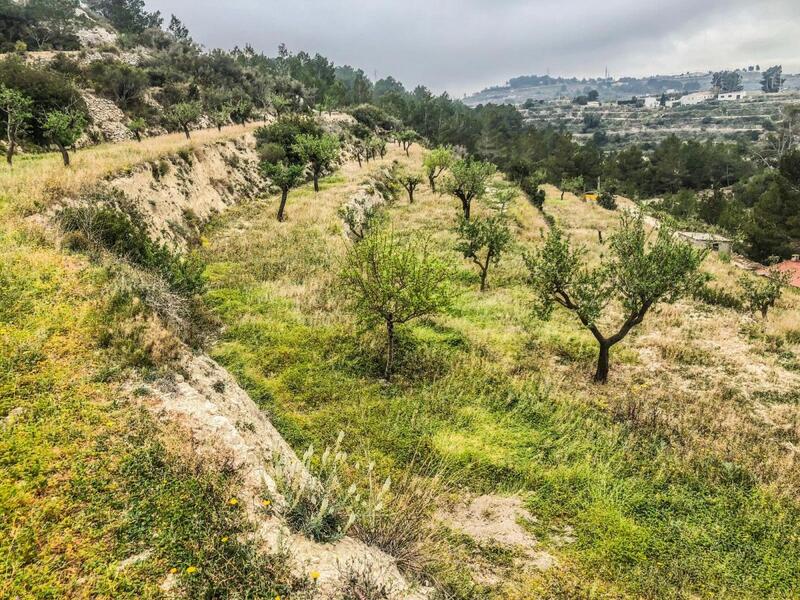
point(731, 96)
point(791, 267)
point(711, 241)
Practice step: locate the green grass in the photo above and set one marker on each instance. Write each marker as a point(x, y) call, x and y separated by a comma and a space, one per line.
point(85, 483)
point(473, 394)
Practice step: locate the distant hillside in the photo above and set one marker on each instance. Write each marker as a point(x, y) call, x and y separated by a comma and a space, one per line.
point(544, 87)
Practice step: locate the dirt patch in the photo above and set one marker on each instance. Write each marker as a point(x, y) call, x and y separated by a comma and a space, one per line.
point(496, 522)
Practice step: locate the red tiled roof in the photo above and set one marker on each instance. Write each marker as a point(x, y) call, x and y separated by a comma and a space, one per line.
point(792, 267)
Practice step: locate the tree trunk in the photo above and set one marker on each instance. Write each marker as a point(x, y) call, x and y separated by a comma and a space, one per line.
point(411, 196)
point(219, 127)
point(12, 144)
point(432, 182)
point(764, 310)
point(465, 204)
point(316, 182)
point(387, 373)
point(562, 194)
point(284, 196)
point(601, 375)
point(64, 154)
point(186, 131)
point(138, 136)
point(358, 158)
point(484, 271)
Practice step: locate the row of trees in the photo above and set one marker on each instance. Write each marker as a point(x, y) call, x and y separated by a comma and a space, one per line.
point(392, 280)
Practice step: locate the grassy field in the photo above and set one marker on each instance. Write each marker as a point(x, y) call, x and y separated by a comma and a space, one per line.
point(678, 479)
point(85, 480)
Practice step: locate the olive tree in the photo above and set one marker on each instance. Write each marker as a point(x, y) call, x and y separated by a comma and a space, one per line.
point(63, 128)
point(468, 180)
point(436, 162)
point(319, 152)
point(17, 110)
point(483, 240)
point(391, 281)
point(761, 294)
point(410, 180)
point(284, 175)
point(637, 274)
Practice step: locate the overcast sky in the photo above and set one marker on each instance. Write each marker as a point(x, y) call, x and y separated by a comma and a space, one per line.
point(465, 45)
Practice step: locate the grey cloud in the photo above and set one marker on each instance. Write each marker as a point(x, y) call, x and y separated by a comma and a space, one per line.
point(464, 45)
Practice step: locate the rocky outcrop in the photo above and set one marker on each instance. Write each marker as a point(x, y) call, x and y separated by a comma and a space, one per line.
point(108, 121)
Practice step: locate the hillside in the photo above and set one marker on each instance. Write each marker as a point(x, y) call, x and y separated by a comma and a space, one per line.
point(519, 89)
point(246, 349)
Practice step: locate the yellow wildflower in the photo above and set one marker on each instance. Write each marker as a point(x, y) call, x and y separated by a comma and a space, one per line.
point(191, 570)
point(314, 575)
point(233, 502)
point(266, 502)
point(173, 570)
point(224, 538)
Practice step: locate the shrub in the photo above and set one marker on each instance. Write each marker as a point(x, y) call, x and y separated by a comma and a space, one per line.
point(717, 297)
point(607, 201)
point(124, 234)
point(317, 505)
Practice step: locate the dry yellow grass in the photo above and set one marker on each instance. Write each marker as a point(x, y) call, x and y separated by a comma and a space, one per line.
point(38, 178)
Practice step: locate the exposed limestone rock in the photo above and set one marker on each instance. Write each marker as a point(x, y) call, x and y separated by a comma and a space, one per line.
point(108, 121)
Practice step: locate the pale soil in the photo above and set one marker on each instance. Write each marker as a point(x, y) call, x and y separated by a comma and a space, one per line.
point(190, 193)
point(493, 520)
point(227, 430)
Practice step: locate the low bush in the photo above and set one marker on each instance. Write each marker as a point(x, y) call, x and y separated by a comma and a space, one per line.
point(317, 506)
point(715, 296)
point(122, 232)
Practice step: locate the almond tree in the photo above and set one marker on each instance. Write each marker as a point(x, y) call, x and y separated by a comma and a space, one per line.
point(392, 282)
point(436, 162)
point(637, 274)
point(468, 180)
point(184, 115)
point(410, 181)
point(761, 294)
point(319, 152)
point(17, 110)
point(407, 139)
point(284, 176)
point(483, 240)
point(136, 127)
point(63, 128)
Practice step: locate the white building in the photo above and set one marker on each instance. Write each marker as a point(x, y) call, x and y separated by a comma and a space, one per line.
point(696, 98)
point(651, 101)
point(714, 242)
point(731, 96)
